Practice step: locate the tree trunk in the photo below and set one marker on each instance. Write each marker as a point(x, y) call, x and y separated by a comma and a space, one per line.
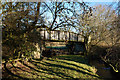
point(87, 41)
point(40, 46)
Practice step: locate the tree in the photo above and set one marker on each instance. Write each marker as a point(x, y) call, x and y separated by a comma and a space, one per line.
point(94, 24)
point(102, 26)
point(17, 28)
point(112, 57)
point(82, 23)
point(21, 21)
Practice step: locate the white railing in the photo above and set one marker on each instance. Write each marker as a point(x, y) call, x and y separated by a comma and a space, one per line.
point(61, 35)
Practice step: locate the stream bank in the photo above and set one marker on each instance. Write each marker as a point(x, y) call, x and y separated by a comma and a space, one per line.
point(102, 70)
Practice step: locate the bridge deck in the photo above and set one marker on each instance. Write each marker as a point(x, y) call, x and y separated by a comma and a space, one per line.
point(60, 40)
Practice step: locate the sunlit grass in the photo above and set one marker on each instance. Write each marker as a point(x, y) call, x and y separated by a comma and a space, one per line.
point(60, 67)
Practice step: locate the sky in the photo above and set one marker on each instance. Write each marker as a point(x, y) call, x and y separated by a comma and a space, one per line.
point(100, 0)
point(113, 4)
point(61, 0)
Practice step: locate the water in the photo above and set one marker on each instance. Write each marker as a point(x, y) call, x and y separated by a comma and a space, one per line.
point(102, 70)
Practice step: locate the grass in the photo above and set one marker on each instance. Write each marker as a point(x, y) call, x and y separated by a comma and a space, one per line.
point(61, 67)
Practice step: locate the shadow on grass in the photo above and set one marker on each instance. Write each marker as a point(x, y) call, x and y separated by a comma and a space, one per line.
point(51, 71)
point(12, 74)
point(34, 68)
point(75, 58)
point(25, 70)
point(61, 66)
point(60, 74)
point(72, 65)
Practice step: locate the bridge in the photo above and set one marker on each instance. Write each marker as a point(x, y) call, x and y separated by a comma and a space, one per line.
point(65, 38)
point(60, 36)
point(61, 41)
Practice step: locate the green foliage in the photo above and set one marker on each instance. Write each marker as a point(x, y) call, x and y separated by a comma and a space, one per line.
point(18, 44)
point(17, 36)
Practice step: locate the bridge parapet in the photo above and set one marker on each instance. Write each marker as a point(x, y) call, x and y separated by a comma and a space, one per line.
point(61, 36)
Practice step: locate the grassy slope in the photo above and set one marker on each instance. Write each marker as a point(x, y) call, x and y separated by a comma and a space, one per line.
point(61, 67)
